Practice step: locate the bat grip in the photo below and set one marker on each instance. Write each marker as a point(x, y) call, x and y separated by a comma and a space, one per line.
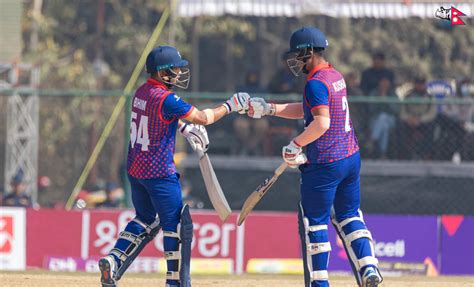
point(199, 151)
point(281, 168)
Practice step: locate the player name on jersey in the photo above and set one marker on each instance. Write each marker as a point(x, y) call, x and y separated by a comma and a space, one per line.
point(139, 104)
point(339, 85)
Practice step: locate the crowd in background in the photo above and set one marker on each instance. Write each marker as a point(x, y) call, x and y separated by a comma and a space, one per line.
point(387, 128)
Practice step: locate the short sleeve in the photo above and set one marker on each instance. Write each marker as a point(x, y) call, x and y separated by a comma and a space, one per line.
point(175, 108)
point(316, 94)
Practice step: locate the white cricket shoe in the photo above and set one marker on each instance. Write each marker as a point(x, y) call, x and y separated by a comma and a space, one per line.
point(108, 270)
point(371, 277)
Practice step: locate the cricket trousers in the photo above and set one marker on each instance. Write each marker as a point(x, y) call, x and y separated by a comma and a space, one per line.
point(323, 187)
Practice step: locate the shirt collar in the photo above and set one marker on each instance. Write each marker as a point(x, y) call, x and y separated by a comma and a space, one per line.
point(154, 82)
point(319, 67)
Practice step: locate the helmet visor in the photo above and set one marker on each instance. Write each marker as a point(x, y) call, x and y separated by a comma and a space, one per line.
point(178, 77)
point(297, 61)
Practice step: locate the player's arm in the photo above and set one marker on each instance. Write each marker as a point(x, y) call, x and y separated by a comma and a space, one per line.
point(289, 111)
point(259, 108)
point(207, 116)
point(320, 124)
point(237, 103)
point(317, 98)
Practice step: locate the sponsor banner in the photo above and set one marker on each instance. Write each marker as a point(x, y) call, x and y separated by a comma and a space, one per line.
point(212, 238)
point(397, 239)
point(52, 233)
point(265, 235)
point(457, 249)
point(92, 234)
point(278, 266)
point(295, 266)
point(12, 238)
point(140, 265)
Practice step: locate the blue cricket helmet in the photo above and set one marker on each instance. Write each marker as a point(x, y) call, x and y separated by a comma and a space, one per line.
point(164, 57)
point(307, 37)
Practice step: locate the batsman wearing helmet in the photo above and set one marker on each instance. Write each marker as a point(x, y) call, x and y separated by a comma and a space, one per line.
point(330, 180)
point(155, 116)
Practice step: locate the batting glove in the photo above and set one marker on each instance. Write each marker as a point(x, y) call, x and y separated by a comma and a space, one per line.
point(239, 102)
point(293, 155)
point(259, 108)
point(196, 135)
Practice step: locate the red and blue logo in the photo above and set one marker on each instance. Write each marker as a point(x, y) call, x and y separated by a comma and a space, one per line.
point(450, 14)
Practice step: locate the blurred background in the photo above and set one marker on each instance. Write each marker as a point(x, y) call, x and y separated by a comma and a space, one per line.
point(409, 75)
point(65, 66)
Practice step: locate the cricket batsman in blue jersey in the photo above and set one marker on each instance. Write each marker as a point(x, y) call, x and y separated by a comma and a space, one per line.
point(156, 192)
point(330, 169)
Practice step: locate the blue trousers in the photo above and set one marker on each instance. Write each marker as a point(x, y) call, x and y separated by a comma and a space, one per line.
point(324, 186)
point(160, 196)
point(151, 197)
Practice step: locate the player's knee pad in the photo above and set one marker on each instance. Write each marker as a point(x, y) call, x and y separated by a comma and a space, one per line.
point(136, 236)
point(312, 245)
point(183, 255)
point(351, 230)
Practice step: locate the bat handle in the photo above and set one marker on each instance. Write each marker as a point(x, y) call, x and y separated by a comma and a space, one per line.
point(199, 151)
point(281, 168)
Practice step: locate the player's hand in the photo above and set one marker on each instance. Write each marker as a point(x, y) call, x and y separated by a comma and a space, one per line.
point(196, 135)
point(239, 102)
point(293, 155)
point(259, 108)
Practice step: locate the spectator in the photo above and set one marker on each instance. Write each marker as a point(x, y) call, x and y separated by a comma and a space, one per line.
point(18, 196)
point(372, 76)
point(352, 86)
point(189, 199)
point(252, 83)
point(359, 111)
point(417, 123)
point(466, 113)
point(283, 81)
point(383, 118)
point(448, 125)
point(114, 196)
point(250, 133)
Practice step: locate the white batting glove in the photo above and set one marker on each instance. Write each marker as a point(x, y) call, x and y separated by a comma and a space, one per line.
point(195, 135)
point(293, 155)
point(259, 108)
point(239, 102)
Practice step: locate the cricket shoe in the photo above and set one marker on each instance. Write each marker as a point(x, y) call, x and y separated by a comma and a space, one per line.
point(107, 268)
point(371, 277)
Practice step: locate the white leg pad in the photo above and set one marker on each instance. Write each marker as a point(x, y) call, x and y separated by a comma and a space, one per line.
point(315, 228)
point(172, 255)
point(348, 220)
point(319, 275)
point(361, 233)
point(349, 238)
point(171, 234)
point(312, 249)
point(316, 248)
point(368, 260)
point(170, 275)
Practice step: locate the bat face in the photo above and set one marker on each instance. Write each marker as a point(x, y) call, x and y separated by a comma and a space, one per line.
point(259, 192)
point(214, 189)
point(265, 186)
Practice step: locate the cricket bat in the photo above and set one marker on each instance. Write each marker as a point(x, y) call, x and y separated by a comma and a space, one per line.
point(214, 190)
point(259, 192)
